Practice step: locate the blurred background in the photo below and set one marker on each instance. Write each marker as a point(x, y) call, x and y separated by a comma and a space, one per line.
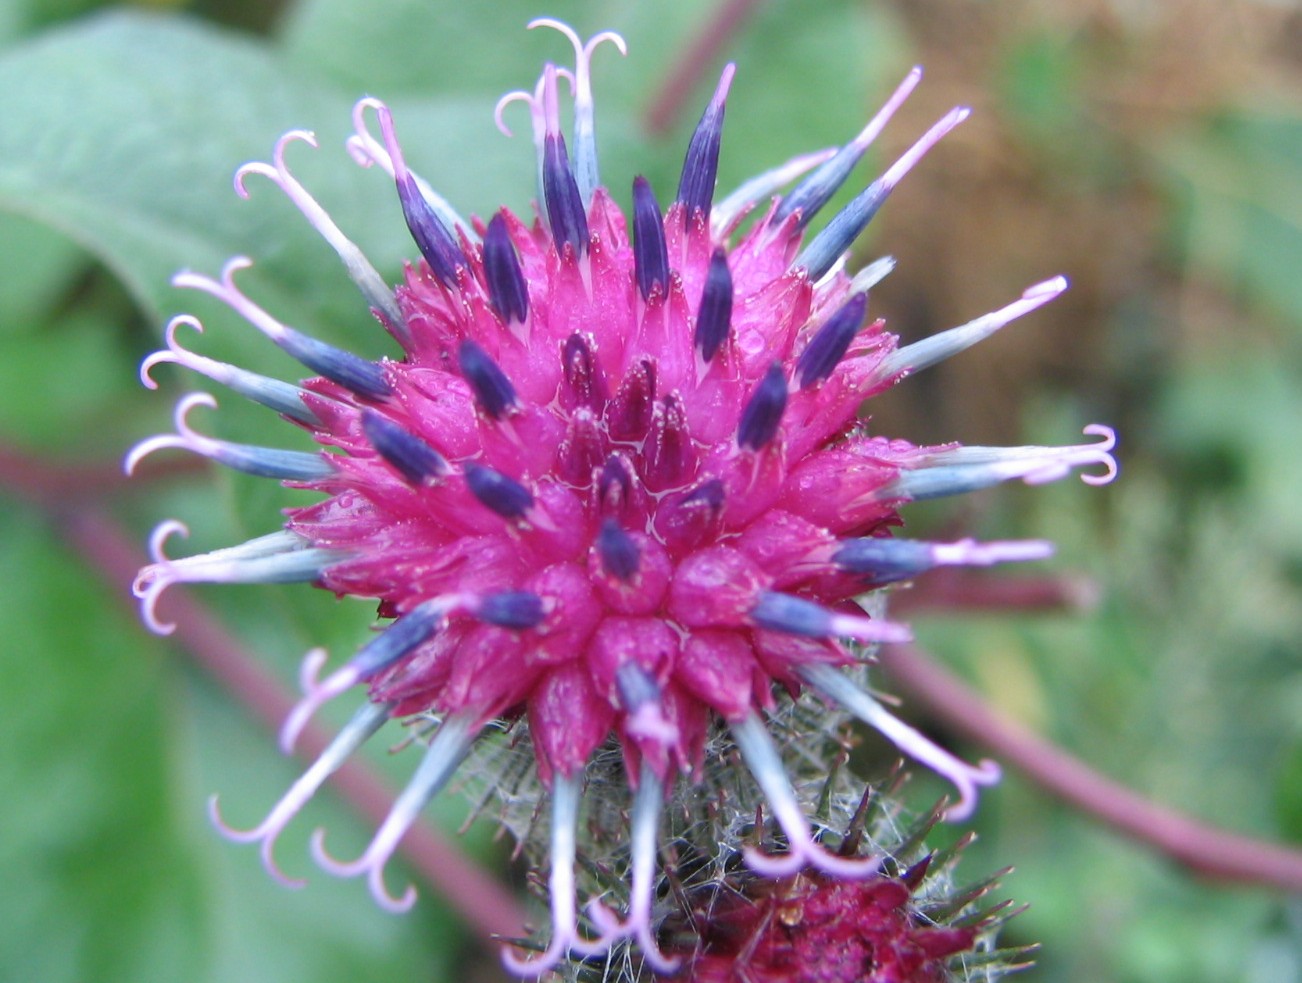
point(1151, 151)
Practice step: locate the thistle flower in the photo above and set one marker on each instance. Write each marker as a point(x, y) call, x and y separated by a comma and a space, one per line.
point(908, 923)
point(616, 487)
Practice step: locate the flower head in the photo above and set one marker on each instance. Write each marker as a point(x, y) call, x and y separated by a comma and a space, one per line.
point(616, 487)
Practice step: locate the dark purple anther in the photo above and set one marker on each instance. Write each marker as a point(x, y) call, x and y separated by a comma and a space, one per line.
point(667, 450)
point(628, 414)
point(354, 373)
point(761, 416)
point(410, 456)
point(714, 319)
point(701, 165)
point(565, 211)
point(708, 496)
point(650, 257)
point(517, 610)
point(840, 233)
point(885, 559)
point(431, 236)
point(620, 556)
point(582, 376)
point(826, 349)
point(615, 483)
point(507, 290)
point(637, 687)
point(503, 495)
point(412, 629)
point(793, 615)
point(492, 388)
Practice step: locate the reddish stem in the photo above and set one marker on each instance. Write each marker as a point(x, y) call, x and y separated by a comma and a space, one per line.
point(484, 903)
point(695, 60)
point(1201, 847)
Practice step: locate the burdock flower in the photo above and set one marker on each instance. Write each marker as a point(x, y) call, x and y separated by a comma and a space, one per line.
point(617, 486)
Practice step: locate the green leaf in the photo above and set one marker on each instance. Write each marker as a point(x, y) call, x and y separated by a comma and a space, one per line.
point(1238, 181)
point(139, 173)
point(100, 882)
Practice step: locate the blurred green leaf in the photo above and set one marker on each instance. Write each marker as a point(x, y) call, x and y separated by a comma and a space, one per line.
point(1238, 180)
point(100, 881)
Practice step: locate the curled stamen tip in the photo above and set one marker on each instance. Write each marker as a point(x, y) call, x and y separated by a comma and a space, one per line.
point(185, 437)
point(773, 864)
point(149, 587)
point(518, 95)
point(1104, 449)
point(162, 533)
point(534, 966)
point(375, 881)
point(986, 772)
point(230, 832)
point(315, 694)
point(329, 864)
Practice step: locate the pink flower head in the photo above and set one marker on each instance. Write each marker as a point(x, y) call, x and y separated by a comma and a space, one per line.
point(616, 487)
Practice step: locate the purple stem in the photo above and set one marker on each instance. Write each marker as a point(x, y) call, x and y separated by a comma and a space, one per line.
point(1202, 848)
point(696, 60)
point(67, 494)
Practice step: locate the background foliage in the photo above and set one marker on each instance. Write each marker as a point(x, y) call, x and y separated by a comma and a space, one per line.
point(1152, 152)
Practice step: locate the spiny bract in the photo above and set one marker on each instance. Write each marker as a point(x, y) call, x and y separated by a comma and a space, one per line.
point(616, 486)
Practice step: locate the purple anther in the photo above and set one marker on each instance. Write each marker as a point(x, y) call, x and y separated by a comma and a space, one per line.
point(517, 609)
point(565, 212)
point(826, 349)
point(493, 390)
point(650, 256)
point(796, 616)
point(816, 190)
point(507, 290)
point(615, 483)
point(410, 456)
point(714, 319)
point(498, 493)
point(620, 556)
point(582, 376)
point(431, 236)
point(701, 165)
point(628, 414)
point(846, 226)
point(667, 451)
point(763, 413)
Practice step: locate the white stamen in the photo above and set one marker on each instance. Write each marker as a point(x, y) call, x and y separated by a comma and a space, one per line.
point(446, 750)
point(929, 351)
point(727, 213)
point(272, 393)
point(764, 762)
point(232, 296)
point(538, 119)
point(185, 438)
point(281, 557)
point(872, 274)
point(560, 886)
point(970, 553)
point(585, 143)
point(644, 847)
point(929, 139)
point(368, 719)
point(838, 687)
point(1038, 465)
point(367, 151)
point(317, 692)
point(360, 270)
